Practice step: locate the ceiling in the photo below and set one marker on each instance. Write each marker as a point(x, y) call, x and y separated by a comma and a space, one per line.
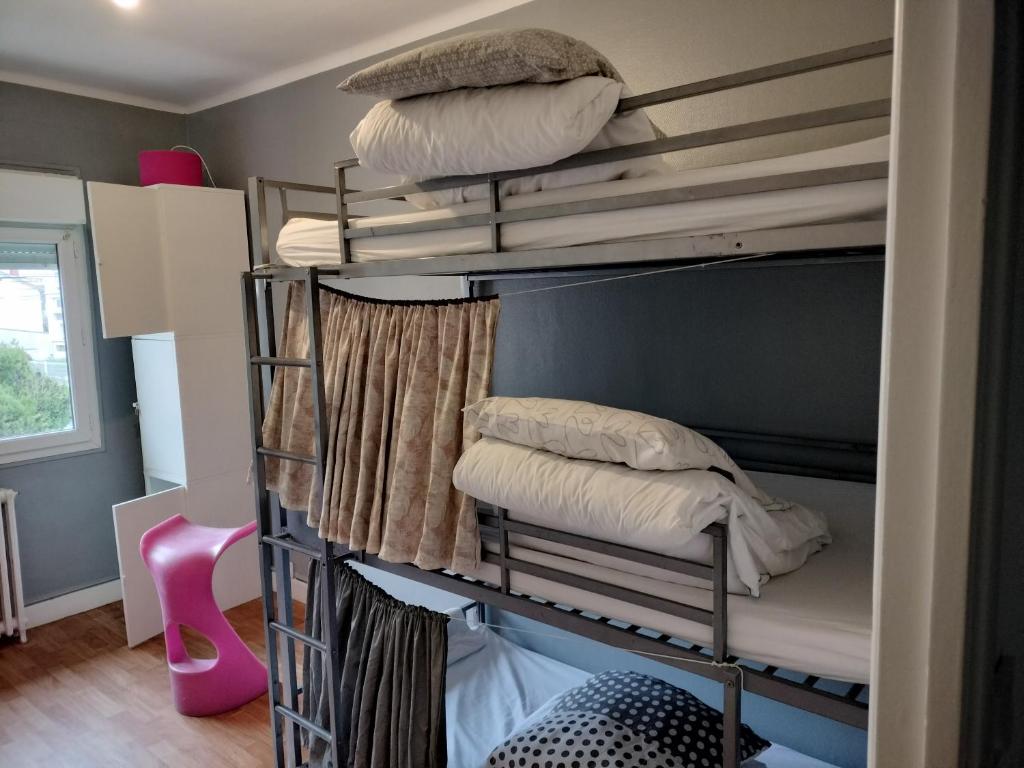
point(185, 55)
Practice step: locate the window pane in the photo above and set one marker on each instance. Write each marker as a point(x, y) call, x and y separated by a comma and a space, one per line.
point(35, 391)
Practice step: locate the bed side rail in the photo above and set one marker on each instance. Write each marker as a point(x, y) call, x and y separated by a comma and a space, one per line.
point(842, 702)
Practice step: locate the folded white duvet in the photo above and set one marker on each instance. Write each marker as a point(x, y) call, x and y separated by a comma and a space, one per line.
point(663, 512)
point(479, 130)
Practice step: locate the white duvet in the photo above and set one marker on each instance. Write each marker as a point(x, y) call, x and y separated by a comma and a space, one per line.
point(659, 511)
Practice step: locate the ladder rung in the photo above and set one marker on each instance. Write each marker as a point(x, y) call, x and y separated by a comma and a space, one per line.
point(286, 455)
point(294, 634)
point(310, 726)
point(288, 542)
point(294, 362)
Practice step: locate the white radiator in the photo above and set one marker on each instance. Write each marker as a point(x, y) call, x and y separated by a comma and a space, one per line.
point(12, 599)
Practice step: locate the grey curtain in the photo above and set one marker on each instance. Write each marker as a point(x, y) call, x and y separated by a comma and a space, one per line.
point(393, 662)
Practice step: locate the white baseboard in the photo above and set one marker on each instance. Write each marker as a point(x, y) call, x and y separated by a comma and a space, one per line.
point(79, 601)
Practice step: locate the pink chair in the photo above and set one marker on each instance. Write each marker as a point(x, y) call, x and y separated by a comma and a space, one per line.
point(181, 557)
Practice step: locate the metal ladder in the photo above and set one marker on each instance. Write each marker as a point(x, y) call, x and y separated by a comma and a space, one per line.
point(275, 544)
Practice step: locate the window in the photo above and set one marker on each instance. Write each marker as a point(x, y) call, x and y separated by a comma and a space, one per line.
point(48, 398)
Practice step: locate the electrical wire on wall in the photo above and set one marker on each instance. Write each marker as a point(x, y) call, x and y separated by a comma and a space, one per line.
point(202, 160)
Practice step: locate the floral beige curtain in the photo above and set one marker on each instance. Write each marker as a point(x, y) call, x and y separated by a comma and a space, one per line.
point(397, 375)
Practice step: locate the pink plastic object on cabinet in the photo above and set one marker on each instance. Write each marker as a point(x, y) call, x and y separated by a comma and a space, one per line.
point(181, 557)
point(170, 166)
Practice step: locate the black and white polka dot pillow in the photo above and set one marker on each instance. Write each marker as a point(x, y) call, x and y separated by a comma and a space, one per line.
point(622, 720)
point(580, 740)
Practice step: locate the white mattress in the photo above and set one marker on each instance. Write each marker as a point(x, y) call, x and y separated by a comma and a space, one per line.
point(503, 687)
point(312, 242)
point(816, 620)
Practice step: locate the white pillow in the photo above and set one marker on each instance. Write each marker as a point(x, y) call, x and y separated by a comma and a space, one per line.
point(627, 128)
point(581, 430)
point(478, 130)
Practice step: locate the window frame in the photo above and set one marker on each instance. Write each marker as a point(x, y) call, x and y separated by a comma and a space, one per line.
point(77, 307)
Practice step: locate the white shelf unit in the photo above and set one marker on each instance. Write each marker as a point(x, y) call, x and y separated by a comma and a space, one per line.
point(168, 260)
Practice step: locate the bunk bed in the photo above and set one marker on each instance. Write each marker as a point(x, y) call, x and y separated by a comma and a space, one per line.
point(824, 205)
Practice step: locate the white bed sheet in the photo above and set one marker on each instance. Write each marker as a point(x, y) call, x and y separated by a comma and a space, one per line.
point(490, 692)
point(816, 620)
point(504, 687)
point(312, 242)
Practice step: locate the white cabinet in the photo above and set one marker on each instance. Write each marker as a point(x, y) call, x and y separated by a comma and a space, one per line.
point(126, 237)
point(193, 405)
point(168, 262)
point(159, 408)
point(168, 258)
point(214, 397)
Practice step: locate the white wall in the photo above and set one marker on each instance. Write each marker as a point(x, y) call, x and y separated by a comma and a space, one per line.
point(936, 217)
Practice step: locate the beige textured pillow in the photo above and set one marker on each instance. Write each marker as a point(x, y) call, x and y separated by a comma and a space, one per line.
point(480, 60)
point(581, 430)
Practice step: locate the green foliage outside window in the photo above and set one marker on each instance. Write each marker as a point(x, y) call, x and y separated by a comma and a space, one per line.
point(31, 403)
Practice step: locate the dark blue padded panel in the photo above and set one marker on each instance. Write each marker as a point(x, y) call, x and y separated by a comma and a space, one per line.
point(785, 355)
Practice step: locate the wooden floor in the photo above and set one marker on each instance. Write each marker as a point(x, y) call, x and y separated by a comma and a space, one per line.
point(76, 695)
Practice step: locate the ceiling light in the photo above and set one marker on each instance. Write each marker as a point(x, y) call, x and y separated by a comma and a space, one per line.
point(126, 4)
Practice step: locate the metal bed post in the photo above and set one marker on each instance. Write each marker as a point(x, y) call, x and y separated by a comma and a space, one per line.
point(340, 189)
point(720, 584)
point(261, 337)
point(732, 685)
point(732, 696)
point(503, 549)
point(494, 202)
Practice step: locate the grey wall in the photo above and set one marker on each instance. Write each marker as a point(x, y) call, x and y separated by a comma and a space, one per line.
point(64, 518)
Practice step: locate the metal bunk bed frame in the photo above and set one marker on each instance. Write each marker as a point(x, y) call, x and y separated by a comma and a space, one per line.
point(276, 544)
